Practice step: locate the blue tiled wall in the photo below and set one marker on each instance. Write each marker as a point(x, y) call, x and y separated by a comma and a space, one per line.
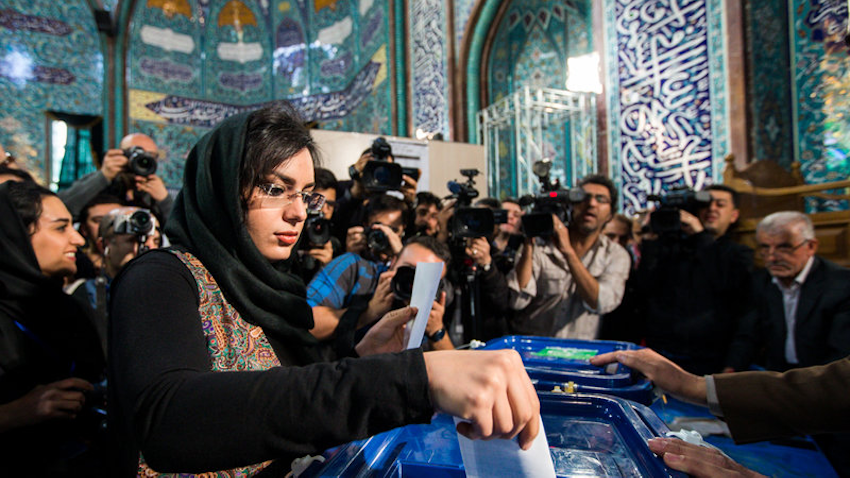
point(50, 60)
point(329, 57)
point(667, 96)
point(530, 48)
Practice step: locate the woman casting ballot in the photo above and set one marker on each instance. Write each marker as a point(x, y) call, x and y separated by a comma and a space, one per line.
point(222, 300)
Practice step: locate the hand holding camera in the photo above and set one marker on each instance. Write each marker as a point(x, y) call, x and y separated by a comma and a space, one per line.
point(561, 236)
point(153, 186)
point(381, 301)
point(478, 249)
point(322, 254)
point(113, 164)
point(690, 224)
point(355, 240)
point(435, 319)
point(382, 239)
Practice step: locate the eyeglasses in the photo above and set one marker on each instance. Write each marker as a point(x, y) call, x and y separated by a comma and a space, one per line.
point(781, 250)
point(275, 195)
point(600, 198)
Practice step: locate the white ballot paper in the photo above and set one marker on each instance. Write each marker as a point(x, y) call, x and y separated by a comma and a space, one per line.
point(425, 284)
point(485, 459)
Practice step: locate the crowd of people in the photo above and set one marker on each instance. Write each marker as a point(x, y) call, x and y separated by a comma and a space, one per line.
point(121, 303)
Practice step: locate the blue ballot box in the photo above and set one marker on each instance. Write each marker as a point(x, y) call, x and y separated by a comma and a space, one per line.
point(589, 435)
point(564, 363)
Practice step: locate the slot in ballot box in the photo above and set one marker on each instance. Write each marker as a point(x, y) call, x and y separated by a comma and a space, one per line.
point(588, 435)
point(564, 363)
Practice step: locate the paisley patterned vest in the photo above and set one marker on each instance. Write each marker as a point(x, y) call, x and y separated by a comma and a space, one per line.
point(233, 344)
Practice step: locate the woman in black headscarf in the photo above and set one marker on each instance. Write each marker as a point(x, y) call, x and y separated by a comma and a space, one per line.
point(223, 300)
point(49, 352)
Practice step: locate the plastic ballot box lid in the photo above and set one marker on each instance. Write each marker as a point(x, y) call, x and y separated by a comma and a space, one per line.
point(588, 435)
point(567, 360)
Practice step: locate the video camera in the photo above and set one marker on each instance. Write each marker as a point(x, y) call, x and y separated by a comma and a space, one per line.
point(665, 220)
point(379, 175)
point(140, 162)
point(553, 199)
point(472, 221)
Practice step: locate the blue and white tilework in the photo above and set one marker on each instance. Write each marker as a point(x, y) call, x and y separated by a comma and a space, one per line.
point(530, 48)
point(428, 60)
point(50, 60)
point(192, 63)
point(462, 12)
point(667, 95)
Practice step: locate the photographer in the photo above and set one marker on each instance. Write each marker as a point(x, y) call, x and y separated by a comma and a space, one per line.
point(392, 291)
point(123, 234)
point(425, 215)
point(371, 247)
point(562, 285)
point(693, 284)
point(317, 246)
point(132, 181)
point(493, 286)
point(353, 195)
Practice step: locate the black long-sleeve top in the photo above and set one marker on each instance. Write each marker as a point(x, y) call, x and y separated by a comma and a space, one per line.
point(166, 401)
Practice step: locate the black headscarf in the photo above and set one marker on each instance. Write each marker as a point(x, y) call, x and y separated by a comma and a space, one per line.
point(207, 220)
point(45, 335)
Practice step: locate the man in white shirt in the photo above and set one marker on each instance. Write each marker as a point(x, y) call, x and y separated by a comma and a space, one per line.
point(802, 313)
point(559, 288)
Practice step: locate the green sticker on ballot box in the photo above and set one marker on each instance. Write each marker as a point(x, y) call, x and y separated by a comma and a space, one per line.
point(567, 353)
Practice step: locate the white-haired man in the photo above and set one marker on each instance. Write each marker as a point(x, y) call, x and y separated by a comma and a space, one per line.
point(802, 301)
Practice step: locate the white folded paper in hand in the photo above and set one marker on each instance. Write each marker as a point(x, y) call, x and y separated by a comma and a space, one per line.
point(485, 459)
point(425, 284)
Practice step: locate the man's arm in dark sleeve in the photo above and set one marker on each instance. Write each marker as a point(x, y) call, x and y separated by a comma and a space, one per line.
point(494, 287)
point(82, 191)
point(186, 418)
point(767, 405)
point(165, 207)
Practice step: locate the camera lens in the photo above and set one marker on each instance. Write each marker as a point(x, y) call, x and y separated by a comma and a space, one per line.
point(141, 223)
point(141, 163)
point(377, 241)
point(402, 283)
point(318, 230)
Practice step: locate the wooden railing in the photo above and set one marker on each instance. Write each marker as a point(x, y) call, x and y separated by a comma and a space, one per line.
point(765, 187)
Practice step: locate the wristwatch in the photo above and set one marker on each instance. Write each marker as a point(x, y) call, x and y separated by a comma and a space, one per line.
point(437, 336)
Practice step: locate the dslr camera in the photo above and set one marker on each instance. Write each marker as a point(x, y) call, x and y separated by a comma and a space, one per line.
point(378, 242)
point(553, 199)
point(138, 223)
point(317, 231)
point(470, 222)
point(140, 162)
point(379, 175)
point(402, 284)
point(665, 220)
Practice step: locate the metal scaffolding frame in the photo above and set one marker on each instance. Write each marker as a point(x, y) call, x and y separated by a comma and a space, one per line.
point(524, 117)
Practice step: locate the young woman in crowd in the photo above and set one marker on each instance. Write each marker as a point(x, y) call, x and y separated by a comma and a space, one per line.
point(49, 353)
point(223, 300)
